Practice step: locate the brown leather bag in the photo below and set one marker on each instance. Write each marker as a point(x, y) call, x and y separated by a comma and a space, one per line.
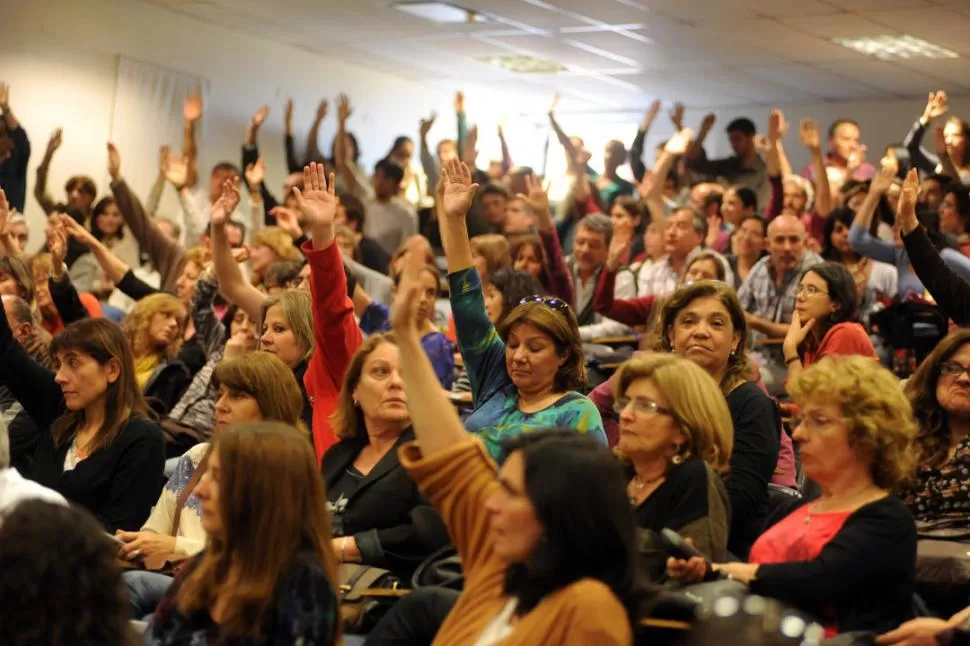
point(360, 589)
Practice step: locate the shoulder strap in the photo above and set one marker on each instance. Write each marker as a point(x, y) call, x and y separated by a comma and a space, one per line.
point(189, 487)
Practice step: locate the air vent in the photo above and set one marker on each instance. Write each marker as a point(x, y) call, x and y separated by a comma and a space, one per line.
point(442, 12)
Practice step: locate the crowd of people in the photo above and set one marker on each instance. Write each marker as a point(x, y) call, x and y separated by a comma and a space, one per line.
point(214, 422)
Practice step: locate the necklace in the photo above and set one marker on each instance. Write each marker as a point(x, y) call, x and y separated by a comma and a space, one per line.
point(640, 485)
point(813, 507)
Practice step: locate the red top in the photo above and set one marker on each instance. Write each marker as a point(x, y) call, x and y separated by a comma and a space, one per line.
point(337, 338)
point(841, 339)
point(629, 311)
point(91, 304)
point(799, 536)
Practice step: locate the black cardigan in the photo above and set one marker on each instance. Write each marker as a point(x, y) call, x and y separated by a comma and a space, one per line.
point(118, 483)
point(950, 291)
point(865, 575)
point(394, 526)
point(756, 421)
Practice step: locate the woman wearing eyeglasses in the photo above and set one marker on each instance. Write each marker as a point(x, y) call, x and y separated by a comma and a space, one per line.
point(939, 391)
point(676, 434)
point(824, 320)
point(848, 556)
point(524, 375)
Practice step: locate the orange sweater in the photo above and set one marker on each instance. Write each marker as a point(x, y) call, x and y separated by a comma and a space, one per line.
point(457, 482)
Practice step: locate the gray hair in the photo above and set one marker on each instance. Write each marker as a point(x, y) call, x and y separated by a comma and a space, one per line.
point(598, 223)
point(699, 220)
point(20, 309)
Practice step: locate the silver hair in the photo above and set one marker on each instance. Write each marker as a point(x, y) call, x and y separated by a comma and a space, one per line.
point(598, 223)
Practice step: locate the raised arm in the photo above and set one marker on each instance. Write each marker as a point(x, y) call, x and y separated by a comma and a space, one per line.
point(506, 155)
point(313, 137)
point(812, 140)
point(232, 283)
point(696, 158)
point(859, 237)
point(560, 284)
point(581, 186)
point(341, 151)
point(636, 148)
point(63, 293)
point(428, 163)
point(936, 107)
point(292, 163)
point(192, 109)
point(675, 147)
point(40, 185)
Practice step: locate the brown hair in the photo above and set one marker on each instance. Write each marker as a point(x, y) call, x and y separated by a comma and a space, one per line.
point(933, 438)
point(22, 274)
point(561, 326)
point(270, 482)
point(265, 378)
point(698, 406)
point(103, 341)
point(198, 256)
point(140, 317)
point(881, 428)
point(347, 419)
point(494, 248)
point(532, 240)
point(739, 367)
point(708, 256)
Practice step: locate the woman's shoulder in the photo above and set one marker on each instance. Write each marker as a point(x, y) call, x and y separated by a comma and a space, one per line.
point(139, 427)
point(749, 393)
point(848, 335)
point(597, 604)
point(889, 508)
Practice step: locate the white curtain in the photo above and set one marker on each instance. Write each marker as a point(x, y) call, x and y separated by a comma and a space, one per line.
point(147, 115)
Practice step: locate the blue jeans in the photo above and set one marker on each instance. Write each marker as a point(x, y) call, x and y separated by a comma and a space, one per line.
point(145, 591)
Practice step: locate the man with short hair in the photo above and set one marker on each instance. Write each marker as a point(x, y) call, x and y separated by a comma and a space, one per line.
point(494, 199)
point(846, 158)
point(684, 234)
point(590, 247)
point(744, 168)
point(22, 429)
point(931, 191)
point(768, 293)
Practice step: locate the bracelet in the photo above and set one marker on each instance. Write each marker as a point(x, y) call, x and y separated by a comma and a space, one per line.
point(788, 362)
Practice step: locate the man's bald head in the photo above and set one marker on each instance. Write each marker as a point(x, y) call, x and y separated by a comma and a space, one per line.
point(786, 242)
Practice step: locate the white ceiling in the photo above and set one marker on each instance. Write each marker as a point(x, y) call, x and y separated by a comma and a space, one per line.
point(621, 54)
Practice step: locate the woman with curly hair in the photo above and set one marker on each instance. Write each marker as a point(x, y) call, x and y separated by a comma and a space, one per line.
point(848, 556)
point(939, 391)
point(154, 328)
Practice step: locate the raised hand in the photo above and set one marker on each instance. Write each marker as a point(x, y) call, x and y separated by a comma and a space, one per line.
point(651, 115)
point(619, 244)
point(177, 170)
point(56, 242)
point(679, 142)
point(906, 207)
point(555, 102)
point(714, 223)
point(57, 138)
point(344, 109)
point(457, 189)
point(677, 115)
point(317, 201)
point(255, 173)
point(810, 134)
point(259, 117)
point(322, 109)
point(882, 180)
point(535, 197)
point(404, 310)
point(939, 141)
point(777, 126)
point(76, 230)
point(762, 144)
point(288, 115)
point(226, 204)
point(425, 126)
point(242, 254)
point(459, 101)
point(114, 162)
point(288, 220)
point(192, 107)
point(708, 121)
point(937, 105)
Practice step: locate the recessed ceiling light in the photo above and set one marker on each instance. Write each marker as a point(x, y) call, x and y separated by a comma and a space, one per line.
point(439, 12)
point(524, 64)
point(895, 47)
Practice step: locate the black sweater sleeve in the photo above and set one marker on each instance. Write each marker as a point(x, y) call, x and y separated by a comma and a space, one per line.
point(66, 300)
point(867, 568)
point(137, 478)
point(135, 287)
point(950, 291)
point(30, 383)
point(921, 158)
point(636, 156)
point(753, 461)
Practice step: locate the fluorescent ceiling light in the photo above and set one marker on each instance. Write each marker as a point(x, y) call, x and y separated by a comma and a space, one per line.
point(524, 64)
point(890, 48)
point(439, 12)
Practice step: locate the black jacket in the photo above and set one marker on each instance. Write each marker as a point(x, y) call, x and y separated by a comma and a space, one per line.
point(166, 386)
point(394, 526)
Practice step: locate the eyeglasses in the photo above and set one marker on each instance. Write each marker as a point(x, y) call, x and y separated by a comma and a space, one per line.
point(553, 302)
point(809, 290)
point(953, 369)
point(641, 406)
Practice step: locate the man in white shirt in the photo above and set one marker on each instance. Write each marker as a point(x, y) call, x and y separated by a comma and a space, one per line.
point(683, 234)
point(14, 488)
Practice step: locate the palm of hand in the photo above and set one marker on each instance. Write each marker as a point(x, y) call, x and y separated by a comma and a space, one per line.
point(318, 206)
point(457, 199)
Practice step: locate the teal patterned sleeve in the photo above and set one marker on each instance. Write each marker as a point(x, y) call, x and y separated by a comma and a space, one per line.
point(481, 348)
point(582, 415)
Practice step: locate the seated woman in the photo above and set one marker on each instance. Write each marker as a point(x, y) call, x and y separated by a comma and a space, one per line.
point(704, 322)
point(504, 291)
point(542, 255)
point(547, 543)
point(524, 376)
point(107, 225)
point(254, 388)
point(97, 446)
point(824, 321)
point(849, 556)
point(875, 281)
point(270, 245)
point(940, 396)
point(675, 431)
point(378, 515)
point(237, 590)
point(154, 330)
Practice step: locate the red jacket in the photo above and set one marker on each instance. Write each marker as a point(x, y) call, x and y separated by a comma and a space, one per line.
point(337, 339)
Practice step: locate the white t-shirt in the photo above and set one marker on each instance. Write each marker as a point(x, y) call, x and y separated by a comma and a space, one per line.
point(500, 627)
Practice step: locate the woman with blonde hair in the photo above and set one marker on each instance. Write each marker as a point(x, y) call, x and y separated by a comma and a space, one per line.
point(676, 435)
point(848, 556)
point(287, 332)
point(237, 590)
point(252, 388)
point(154, 329)
point(378, 515)
point(270, 245)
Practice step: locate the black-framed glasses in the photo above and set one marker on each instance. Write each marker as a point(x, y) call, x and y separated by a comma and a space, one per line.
point(953, 369)
point(641, 406)
point(555, 303)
